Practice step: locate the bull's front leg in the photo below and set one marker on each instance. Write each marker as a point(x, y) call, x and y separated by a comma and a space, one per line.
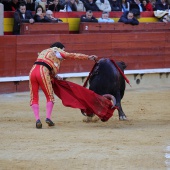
point(121, 113)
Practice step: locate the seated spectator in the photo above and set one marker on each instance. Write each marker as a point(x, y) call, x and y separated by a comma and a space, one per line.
point(90, 5)
point(55, 6)
point(69, 6)
point(161, 5)
point(162, 15)
point(166, 18)
point(13, 5)
point(128, 18)
point(21, 16)
point(125, 5)
point(88, 17)
point(103, 5)
point(147, 5)
point(40, 15)
point(137, 5)
point(115, 5)
point(50, 18)
point(153, 2)
point(80, 6)
point(105, 18)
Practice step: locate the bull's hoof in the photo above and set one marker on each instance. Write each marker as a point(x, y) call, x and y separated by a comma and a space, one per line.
point(93, 119)
point(87, 119)
point(103, 120)
point(122, 118)
point(83, 113)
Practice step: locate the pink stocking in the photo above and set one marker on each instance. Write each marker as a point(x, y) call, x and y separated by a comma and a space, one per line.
point(49, 108)
point(35, 108)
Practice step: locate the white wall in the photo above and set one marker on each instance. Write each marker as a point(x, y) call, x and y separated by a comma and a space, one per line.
point(1, 19)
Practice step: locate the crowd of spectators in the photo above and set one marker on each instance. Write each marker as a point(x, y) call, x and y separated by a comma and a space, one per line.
point(43, 10)
point(85, 5)
point(22, 15)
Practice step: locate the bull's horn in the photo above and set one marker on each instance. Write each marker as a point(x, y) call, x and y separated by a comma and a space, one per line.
point(112, 98)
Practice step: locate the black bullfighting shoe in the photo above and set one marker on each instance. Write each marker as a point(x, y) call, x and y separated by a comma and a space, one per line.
point(49, 122)
point(38, 124)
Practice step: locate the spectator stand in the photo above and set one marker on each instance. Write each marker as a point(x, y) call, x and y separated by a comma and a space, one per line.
point(73, 19)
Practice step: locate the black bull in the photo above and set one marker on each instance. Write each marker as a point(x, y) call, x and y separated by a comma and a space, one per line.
point(106, 79)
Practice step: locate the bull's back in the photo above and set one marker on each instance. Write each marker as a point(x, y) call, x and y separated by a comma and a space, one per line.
point(105, 79)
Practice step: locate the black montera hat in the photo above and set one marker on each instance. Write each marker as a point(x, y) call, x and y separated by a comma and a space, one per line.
point(58, 45)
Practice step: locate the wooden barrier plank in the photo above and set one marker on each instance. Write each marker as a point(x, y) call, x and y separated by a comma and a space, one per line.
point(139, 37)
point(44, 28)
point(28, 47)
point(88, 27)
point(130, 52)
point(76, 66)
point(22, 86)
point(166, 60)
point(7, 87)
point(8, 56)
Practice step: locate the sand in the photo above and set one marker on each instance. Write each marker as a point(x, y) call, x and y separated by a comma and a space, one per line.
point(142, 142)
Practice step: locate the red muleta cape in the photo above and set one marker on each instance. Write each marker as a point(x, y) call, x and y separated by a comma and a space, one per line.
point(76, 96)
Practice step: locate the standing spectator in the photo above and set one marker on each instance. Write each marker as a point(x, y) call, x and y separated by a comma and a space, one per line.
point(105, 18)
point(103, 5)
point(88, 17)
point(30, 5)
point(69, 6)
point(43, 3)
point(128, 18)
point(147, 5)
point(115, 5)
point(80, 6)
point(55, 6)
point(6, 5)
point(125, 5)
point(161, 5)
point(90, 5)
point(13, 5)
point(21, 16)
point(44, 69)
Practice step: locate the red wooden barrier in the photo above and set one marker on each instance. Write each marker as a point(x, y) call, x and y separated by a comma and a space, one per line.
point(44, 28)
point(139, 50)
point(88, 27)
point(8, 56)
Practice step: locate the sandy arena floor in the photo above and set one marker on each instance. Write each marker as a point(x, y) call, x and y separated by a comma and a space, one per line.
point(142, 142)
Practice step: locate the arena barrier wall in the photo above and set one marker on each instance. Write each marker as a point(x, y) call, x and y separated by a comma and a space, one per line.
point(145, 51)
